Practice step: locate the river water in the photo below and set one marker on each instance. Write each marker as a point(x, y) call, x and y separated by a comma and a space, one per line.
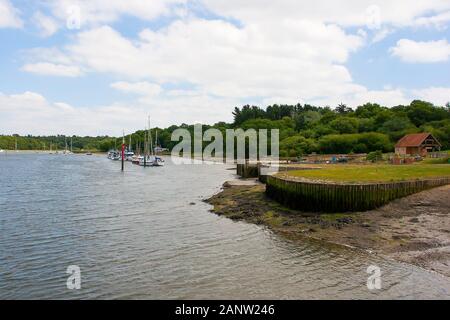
point(146, 234)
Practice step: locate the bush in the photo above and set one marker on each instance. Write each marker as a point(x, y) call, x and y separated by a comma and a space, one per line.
point(375, 156)
point(297, 146)
point(346, 143)
point(345, 125)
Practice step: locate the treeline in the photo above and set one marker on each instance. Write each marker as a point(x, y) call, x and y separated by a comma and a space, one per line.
point(370, 127)
point(303, 129)
point(56, 142)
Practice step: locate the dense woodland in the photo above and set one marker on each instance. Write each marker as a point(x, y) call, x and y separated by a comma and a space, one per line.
point(303, 129)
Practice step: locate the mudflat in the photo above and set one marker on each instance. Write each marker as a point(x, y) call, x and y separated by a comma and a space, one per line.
point(414, 229)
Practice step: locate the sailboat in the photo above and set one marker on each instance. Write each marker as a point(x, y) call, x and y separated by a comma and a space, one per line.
point(150, 159)
point(66, 149)
point(157, 161)
point(144, 160)
point(71, 145)
point(137, 155)
point(129, 154)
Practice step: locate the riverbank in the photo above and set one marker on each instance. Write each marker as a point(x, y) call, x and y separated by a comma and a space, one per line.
point(414, 229)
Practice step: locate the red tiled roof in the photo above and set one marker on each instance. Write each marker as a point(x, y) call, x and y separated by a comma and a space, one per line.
point(412, 140)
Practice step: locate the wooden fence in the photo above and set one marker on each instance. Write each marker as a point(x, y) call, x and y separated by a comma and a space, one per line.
point(334, 197)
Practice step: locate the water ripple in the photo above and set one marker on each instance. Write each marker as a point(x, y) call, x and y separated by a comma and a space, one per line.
point(136, 236)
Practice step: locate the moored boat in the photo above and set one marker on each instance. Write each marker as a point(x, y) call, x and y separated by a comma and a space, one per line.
point(158, 162)
point(151, 161)
point(136, 159)
point(129, 155)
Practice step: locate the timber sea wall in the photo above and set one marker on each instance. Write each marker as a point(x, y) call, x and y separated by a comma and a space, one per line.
point(247, 170)
point(340, 197)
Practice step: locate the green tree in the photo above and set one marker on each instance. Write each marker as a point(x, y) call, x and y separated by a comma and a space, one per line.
point(296, 146)
point(368, 110)
point(345, 125)
point(343, 109)
point(421, 112)
point(375, 156)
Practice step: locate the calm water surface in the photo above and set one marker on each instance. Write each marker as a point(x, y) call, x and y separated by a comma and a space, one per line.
point(136, 235)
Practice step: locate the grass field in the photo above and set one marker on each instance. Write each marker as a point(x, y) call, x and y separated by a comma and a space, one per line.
point(373, 173)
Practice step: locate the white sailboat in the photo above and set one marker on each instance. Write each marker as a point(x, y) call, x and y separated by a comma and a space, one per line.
point(129, 154)
point(71, 145)
point(66, 148)
point(143, 160)
point(157, 161)
point(150, 159)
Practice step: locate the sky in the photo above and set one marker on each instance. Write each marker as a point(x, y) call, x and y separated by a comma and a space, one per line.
point(98, 67)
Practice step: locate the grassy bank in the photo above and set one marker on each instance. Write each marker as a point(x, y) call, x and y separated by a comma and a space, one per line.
point(373, 173)
point(342, 188)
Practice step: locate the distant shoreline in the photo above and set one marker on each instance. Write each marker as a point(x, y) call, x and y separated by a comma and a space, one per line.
point(51, 152)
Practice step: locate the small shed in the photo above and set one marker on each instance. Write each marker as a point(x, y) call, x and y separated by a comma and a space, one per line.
point(417, 144)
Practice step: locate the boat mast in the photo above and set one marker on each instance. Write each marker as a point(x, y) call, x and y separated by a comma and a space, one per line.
point(145, 147)
point(71, 144)
point(16, 144)
point(150, 137)
point(123, 149)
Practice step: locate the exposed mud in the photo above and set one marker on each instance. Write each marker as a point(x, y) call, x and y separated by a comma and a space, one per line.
point(415, 229)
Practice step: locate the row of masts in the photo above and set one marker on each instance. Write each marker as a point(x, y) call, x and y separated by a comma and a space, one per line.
point(65, 149)
point(148, 145)
point(147, 149)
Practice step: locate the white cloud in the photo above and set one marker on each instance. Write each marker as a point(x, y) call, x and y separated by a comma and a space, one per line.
point(439, 21)
point(437, 95)
point(142, 88)
point(278, 51)
point(343, 12)
point(267, 60)
point(47, 25)
point(32, 113)
point(9, 16)
point(53, 55)
point(95, 12)
point(46, 68)
point(422, 52)
point(381, 35)
point(387, 97)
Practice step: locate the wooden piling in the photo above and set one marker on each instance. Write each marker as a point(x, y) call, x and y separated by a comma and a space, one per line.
point(341, 197)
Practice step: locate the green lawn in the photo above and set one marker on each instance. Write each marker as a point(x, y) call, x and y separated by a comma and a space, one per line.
point(373, 173)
